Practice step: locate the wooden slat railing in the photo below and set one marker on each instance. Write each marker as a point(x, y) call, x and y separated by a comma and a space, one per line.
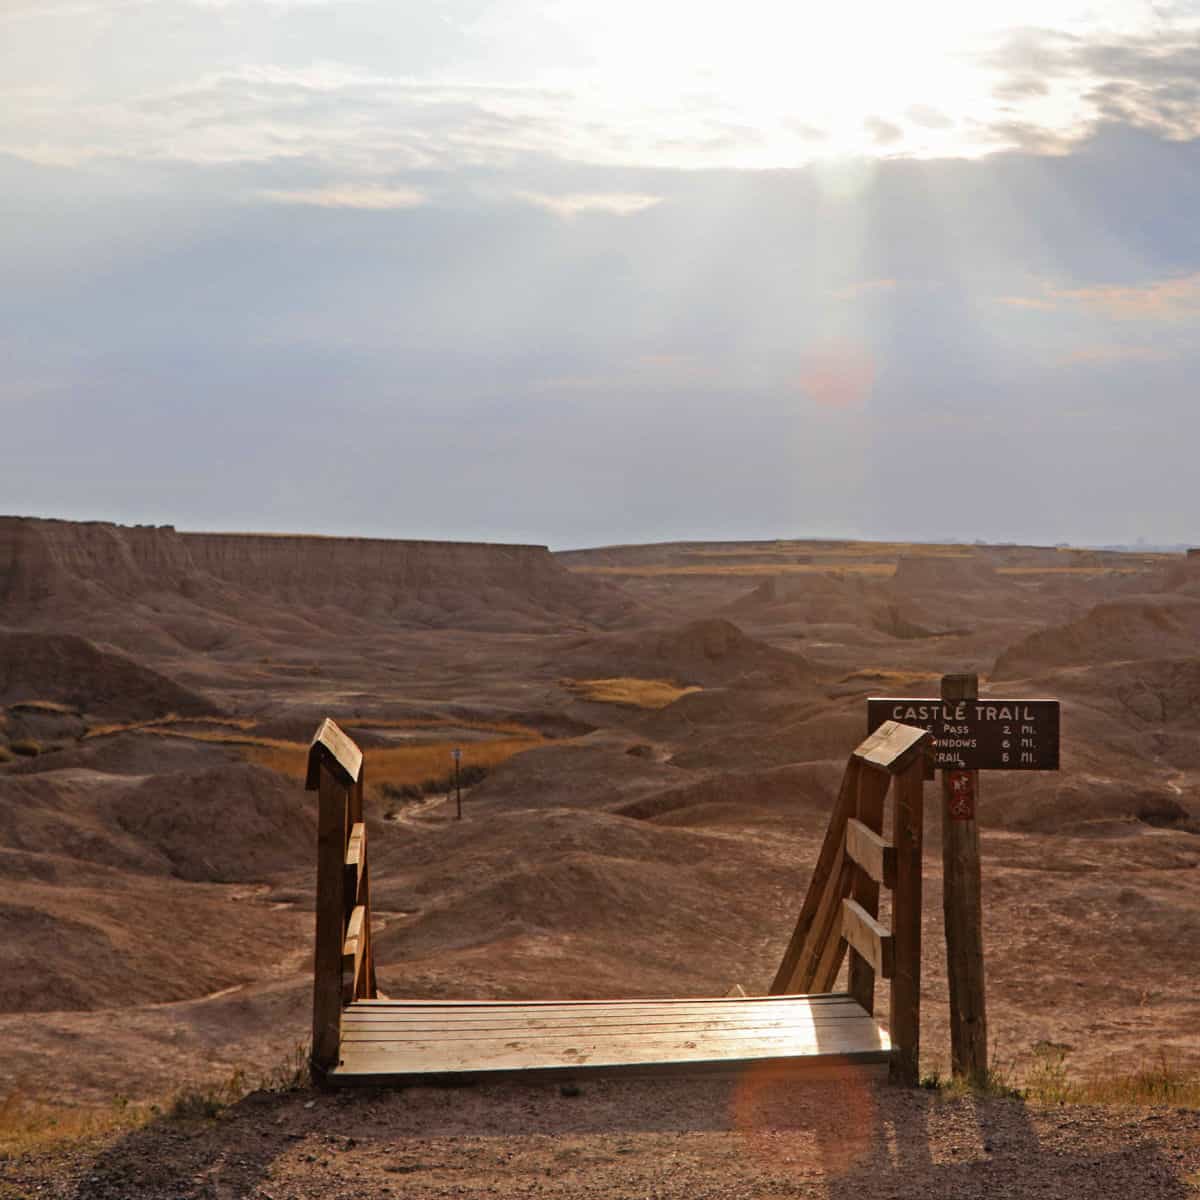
point(841, 908)
point(344, 962)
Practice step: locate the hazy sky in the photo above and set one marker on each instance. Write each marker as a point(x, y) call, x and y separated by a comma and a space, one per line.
point(574, 271)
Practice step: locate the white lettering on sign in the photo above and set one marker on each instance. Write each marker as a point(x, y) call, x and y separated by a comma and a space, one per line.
point(1003, 712)
point(934, 711)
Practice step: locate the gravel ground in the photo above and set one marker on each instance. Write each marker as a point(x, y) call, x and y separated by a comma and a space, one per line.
point(757, 1136)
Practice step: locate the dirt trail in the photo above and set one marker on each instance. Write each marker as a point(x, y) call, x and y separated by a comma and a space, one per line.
point(760, 1135)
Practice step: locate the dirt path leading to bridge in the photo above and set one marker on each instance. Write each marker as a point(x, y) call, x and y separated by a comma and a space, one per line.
point(756, 1136)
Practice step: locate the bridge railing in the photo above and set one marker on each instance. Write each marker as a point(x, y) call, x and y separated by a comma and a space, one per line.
point(840, 913)
point(344, 961)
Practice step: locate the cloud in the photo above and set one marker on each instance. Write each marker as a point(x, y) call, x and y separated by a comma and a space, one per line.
point(868, 287)
point(882, 132)
point(928, 117)
point(348, 196)
point(1021, 87)
point(574, 204)
point(1146, 81)
point(1172, 299)
point(1109, 354)
point(1044, 303)
point(1164, 299)
point(517, 82)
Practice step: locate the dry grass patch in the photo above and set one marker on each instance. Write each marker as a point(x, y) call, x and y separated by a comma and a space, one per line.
point(888, 678)
point(749, 570)
point(162, 724)
point(401, 766)
point(1094, 570)
point(434, 723)
point(44, 706)
point(427, 766)
point(1159, 1082)
point(28, 1125)
point(625, 689)
point(1048, 1080)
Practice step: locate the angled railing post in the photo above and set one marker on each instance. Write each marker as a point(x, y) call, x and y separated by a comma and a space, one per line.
point(840, 910)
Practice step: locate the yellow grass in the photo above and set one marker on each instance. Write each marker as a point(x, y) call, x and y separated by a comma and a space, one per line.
point(44, 706)
point(27, 1125)
point(400, 765)
point(890, 678)
point(163, 723)
point(224, 738)
point(1067, 570)
point(848, 550)
point(1153, 1083)
point(433, 723)
point(751, 570)
point(624, 689)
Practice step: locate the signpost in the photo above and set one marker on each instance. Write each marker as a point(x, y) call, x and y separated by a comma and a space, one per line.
point(457, 755)
point(971, 734)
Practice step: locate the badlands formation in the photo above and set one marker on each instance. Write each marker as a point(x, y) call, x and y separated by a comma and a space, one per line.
point(656, 732)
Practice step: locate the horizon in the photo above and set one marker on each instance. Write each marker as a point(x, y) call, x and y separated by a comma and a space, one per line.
point(1142, 545)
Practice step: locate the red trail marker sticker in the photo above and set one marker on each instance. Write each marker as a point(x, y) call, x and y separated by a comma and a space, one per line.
point(962, 795)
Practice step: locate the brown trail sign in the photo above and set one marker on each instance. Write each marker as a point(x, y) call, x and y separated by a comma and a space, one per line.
point(979, 734)
point(970, 734)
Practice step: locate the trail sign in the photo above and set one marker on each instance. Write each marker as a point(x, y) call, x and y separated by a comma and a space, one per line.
point(985, 734)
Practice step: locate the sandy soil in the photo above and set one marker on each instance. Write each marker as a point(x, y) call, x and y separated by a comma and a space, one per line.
point(753, 1137)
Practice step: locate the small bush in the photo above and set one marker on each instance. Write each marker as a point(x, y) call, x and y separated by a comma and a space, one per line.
point(472, 774)
point(26, 747)
point(996, 1084)
point(290, 1075)
point(1046, 1080)
point(404, 793)
point(6, 755)
point(206, 1102)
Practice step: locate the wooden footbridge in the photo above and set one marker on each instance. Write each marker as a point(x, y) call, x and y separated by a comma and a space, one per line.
point(360, 1037)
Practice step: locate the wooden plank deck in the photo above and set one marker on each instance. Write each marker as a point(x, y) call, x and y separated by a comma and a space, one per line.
point(404, 1041)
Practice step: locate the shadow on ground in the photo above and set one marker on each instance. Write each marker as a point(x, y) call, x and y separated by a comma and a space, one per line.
point(761, 1134)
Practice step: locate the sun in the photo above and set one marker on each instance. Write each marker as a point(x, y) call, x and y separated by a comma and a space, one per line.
point(767, 84)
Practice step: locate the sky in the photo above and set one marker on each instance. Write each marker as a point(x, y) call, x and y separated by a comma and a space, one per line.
point(579, 272)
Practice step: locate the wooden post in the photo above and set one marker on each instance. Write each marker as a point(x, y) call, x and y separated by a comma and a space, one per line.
point(872, 791)
point(962, 906)
point(372, 986)
point(908, 838)
point(332, 833)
